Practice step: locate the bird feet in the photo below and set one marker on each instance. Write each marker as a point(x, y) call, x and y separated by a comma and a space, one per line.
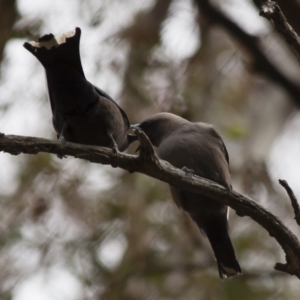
point(62, 139)
point(115, 149)
point(228, 187)
point(188, 172)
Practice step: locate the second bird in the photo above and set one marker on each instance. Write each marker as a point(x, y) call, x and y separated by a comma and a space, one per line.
point(82, 113)
point(199, 148)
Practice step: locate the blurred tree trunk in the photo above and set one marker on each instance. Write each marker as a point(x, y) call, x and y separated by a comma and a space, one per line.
point(143, 35)
point(8, 18)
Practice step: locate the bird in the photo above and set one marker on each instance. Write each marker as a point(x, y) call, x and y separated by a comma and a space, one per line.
point(198, 149)
point(81, 112)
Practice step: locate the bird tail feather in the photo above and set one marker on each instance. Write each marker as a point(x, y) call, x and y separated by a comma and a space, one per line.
point(218, 236)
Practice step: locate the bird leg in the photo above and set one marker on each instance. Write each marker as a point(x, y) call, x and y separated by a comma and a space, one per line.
point(62, 139)
point(115, 146)
point(61, 136)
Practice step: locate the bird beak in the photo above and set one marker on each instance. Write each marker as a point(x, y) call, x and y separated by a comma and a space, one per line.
point(135, 126)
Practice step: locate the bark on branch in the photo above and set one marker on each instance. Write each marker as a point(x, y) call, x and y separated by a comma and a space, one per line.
point(271, 11)
point(148, 163)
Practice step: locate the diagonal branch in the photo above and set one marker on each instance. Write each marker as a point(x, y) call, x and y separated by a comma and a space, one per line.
point(164, 171)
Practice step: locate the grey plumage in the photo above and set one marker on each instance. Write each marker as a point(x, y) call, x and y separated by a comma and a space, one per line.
point(197, 146)
point(82, 113)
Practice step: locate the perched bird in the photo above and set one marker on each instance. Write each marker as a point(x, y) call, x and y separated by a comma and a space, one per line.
point(197, 147)
point(82, 113)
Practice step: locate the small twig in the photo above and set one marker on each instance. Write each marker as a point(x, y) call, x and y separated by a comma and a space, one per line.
point(282, 268)
point(146, 150)
point(293, 199)
point(271, 11)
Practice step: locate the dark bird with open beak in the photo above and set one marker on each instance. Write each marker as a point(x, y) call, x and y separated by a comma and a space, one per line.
point(82, 113)
point(199, 148)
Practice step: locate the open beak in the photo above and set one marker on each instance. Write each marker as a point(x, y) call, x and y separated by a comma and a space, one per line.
point(135, 126)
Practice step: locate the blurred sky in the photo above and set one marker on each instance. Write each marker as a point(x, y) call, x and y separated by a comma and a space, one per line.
point(23, 82)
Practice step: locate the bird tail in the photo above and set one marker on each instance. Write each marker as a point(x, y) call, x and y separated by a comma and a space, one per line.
point(217, 233)
point(57, 49)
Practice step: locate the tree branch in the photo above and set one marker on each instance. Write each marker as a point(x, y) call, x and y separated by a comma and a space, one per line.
point(293, 199)
point(271, 11)
point(147, 163)
point(250, 44)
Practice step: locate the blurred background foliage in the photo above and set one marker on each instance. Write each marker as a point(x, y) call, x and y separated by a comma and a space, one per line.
point(74, 230)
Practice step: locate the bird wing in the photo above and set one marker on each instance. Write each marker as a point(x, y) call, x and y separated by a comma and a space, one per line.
point(221, 143)
point(224, 149)
point(103, 94)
